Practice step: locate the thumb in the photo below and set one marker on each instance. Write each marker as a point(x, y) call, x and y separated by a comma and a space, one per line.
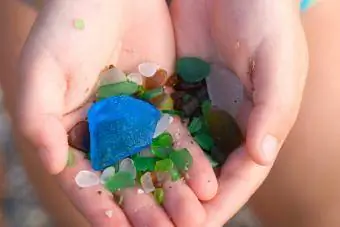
point(39, 112)
point(278, 81)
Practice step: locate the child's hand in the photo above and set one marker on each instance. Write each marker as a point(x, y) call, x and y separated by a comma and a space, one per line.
point(263, 43)
point(70, 43)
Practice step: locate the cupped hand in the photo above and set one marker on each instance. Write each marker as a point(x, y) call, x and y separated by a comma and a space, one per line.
point(70, 43)
point(263, 43)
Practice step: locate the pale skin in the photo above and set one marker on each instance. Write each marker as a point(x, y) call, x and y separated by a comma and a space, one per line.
point(248, 175)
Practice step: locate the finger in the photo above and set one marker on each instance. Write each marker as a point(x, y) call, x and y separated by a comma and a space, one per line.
point(200, 176)
point(95, 203)
point(277, 95)
point(239, 179)
point(47, 134)
point(54, 59)
point(189, 23)
point(102, 213)
point(201, 179)
point(142, 210)
point(182, 205)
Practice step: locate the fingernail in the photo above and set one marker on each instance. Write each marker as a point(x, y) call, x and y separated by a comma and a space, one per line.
point(269, 148)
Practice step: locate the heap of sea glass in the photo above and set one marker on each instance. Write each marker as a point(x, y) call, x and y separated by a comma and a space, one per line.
point(127, 135)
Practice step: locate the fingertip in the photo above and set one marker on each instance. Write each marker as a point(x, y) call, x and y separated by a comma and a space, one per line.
point(52, 165)
point(269, 149)
point(263, 150)
point(205, 187)
point(55, 151)
point(266, 129)
point(240, 178)
point(210, 193)
point(180, 202)
point(200, 176)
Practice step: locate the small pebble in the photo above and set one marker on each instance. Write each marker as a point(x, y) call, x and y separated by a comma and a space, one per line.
point(127, 165)
point(146, 153)
point(168, 90)
point(112, 76)
point(109, 213)
point(79, 24)
point(177, 135)
point(190, 106)
point(163, 124)
point(171, 120)
point(185, 122)
point(162, 177)
point(120, 200)
point(85, 179)
point(71, 157)
point(147, 183)
point(79, 137)
point(106, 174)
point(135, 77)
point(148, 69)
point(140, 191)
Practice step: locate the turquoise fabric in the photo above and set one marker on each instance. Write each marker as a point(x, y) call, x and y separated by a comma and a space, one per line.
point(306, 4)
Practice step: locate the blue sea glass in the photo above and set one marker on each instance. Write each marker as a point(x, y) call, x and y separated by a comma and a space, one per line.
point(120, 126)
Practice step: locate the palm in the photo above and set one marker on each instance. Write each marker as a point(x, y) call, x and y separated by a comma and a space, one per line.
point(148, 37)
point(242, 46)
point(144, 34)
point(198, 34)
point(254, 41)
